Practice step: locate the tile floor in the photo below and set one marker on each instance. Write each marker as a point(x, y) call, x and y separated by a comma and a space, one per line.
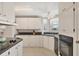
point(37, 52)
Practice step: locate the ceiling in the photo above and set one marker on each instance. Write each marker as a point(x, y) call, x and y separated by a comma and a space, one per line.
point(36, 8)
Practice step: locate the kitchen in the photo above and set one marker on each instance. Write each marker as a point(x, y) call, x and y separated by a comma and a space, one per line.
point(39, 29)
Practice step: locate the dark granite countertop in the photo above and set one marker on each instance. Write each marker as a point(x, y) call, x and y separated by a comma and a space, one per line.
point(51, 35)
point(10, 45)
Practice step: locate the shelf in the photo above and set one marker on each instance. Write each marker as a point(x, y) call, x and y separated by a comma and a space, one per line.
point(7, 23)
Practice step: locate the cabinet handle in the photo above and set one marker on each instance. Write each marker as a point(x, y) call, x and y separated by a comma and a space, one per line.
point(9, 53)
point(77, 41)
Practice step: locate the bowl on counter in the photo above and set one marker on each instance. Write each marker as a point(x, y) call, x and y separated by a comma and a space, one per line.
point(4, 44)
point(2, 39)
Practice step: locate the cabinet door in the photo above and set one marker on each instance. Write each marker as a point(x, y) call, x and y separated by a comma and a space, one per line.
point(5, 11)
point(17, 49)
point(61, 24)
point(20, 48)
point(13, 51)
point(0, 9)
point(64, 5)
point(8, 11)
point(29, 23)
point(51, 43)
point(46, 42)
point(40, 40)
point(67, 21)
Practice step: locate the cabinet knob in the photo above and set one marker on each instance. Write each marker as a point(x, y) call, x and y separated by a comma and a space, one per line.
point(9, 53)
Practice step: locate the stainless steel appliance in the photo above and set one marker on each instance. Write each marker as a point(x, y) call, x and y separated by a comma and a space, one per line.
point(66, 45)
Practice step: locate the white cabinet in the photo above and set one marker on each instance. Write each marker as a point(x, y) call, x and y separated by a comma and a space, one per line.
point(36, 41)
point(17, 50)
point(14, 51)
point(66, 18)
point(28, 23)
point(51, 43)
point(5, 11)
point(46, 42)
point(32, 40)
point(63, 6)
point(20, 49)
point(8, 11)
point(0, 10)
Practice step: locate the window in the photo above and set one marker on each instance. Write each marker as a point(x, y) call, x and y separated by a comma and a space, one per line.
point(54, 24)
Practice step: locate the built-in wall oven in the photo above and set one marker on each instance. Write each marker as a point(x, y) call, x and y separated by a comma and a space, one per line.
point(66, 45)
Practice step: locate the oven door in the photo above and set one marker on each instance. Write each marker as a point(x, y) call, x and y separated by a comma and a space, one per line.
point(65, 49)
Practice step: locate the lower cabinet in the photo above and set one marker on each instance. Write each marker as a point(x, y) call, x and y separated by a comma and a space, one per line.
point(19, 49)
point(32, 40)
point(14, 51)
point(48, 42)
point(51, 43)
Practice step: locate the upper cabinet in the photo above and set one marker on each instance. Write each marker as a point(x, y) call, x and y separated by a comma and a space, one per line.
point(64, 6)
point(0, 9)
point(66, 18)
point(7, 13)
point(28, 23)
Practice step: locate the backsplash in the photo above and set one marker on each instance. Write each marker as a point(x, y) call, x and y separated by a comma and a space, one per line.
point(29, 31)
point(7, 31)
point(2, 29)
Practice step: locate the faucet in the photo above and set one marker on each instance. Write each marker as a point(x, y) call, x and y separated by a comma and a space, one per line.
point(33, 32)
